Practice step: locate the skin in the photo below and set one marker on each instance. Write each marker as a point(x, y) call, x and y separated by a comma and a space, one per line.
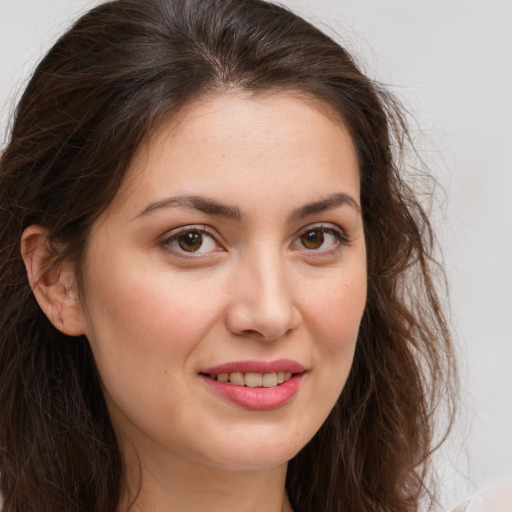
point(254, 288)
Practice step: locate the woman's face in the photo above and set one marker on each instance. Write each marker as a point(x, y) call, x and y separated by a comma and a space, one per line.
point(232, 259)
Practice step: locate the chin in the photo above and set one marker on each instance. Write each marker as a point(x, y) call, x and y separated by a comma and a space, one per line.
point(258, 450)
point(255, 460)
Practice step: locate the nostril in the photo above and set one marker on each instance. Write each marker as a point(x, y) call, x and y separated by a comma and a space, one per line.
point(263, 308)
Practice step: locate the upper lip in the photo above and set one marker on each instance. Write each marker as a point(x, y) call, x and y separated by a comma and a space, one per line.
point(280, 365)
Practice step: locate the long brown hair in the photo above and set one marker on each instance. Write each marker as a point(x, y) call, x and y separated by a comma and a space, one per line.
point(99, 92)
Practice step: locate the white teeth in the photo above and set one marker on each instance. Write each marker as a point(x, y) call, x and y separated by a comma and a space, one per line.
point(269, 380)
point(237, 378)
point(254, 380)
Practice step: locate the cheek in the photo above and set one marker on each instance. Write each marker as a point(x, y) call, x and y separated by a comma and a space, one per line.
point(335, 312)
point(145, 323)
point(148, 310)
point(142, 331)
point(334, 320)
point(332, 315)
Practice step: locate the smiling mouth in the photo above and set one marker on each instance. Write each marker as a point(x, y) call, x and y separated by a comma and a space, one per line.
point(253, 380)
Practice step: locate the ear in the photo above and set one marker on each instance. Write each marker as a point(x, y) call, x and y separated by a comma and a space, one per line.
point(53, 282)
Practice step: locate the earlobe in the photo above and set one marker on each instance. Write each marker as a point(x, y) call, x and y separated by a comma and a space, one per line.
point(53, 282)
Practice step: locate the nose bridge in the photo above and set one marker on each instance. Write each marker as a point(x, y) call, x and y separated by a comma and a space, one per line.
point(264, 302)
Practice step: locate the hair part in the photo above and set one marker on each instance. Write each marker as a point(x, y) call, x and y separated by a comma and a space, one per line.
point(97, 95)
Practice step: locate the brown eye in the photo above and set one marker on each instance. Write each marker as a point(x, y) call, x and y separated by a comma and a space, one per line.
point(312, 239)
point(320, 239)
point(190, 241)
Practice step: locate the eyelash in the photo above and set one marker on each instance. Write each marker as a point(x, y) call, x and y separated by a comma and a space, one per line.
point(172, 239)
point(339, 236)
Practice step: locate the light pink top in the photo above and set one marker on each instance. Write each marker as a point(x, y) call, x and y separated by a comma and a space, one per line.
point(497, 498)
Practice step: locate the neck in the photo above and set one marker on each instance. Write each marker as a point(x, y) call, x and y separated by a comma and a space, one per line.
point(172, 485)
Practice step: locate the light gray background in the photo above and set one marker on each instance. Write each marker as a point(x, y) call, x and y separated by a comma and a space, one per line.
point(451, 63)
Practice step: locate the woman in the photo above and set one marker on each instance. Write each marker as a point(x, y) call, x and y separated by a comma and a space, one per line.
point(224, 296)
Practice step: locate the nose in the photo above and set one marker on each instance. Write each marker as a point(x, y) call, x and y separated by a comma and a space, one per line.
point(262, 302)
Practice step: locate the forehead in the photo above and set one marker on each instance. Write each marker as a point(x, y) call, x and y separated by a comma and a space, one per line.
point(231, 137)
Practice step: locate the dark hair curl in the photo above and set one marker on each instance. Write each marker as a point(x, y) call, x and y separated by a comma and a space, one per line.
point(99, 92)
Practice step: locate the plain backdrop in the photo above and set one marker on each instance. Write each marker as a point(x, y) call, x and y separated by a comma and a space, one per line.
point(451, 64)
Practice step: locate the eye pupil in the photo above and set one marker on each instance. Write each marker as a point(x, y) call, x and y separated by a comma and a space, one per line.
point(191, 241)
point(312, 239)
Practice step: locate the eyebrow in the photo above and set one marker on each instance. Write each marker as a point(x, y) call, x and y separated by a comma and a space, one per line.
point(212, 207)
point(203, 204)
point(330, 202)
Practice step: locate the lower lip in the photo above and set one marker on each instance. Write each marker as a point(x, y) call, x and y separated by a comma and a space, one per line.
point(257, 398)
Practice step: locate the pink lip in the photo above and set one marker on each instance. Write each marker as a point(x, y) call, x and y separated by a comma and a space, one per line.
point(256, 398)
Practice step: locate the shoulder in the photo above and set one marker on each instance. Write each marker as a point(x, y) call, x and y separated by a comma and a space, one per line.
point(497, 498)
